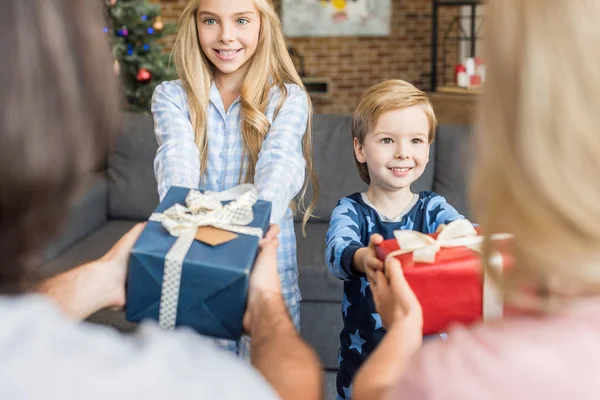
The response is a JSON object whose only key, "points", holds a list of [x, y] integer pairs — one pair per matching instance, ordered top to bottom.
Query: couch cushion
{"points": [[334, 161], [452, 165], [425, 181], [132, 186], [86, 214], [89, 248], [311, 249], [316, 282], [320, 325], [330, 386]]}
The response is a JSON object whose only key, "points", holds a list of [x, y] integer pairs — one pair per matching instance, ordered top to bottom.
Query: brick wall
{"points": [[352, 64]]}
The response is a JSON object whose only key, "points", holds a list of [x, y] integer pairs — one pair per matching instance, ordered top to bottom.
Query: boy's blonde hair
{"points": [[271, 66], [387, 96], [538, 146]]}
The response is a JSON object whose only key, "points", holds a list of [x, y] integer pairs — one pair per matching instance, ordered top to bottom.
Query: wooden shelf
{"points": [[458, 2], [459, 90], [455, 109]]}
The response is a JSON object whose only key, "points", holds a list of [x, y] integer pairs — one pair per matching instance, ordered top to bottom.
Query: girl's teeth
{"points": [[227, 53], [400, 169]]}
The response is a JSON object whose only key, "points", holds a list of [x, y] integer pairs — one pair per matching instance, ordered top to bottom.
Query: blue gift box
{"points": [[214, 280]]}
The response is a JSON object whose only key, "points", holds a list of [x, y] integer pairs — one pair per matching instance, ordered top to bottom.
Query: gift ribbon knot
{"points": [[207, 209], [424, 248]]}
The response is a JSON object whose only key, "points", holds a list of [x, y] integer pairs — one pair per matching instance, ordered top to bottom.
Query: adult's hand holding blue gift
{"points": [[264, 280]]}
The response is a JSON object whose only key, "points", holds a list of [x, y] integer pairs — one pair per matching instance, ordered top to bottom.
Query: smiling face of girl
{"points": [[228, 32]]}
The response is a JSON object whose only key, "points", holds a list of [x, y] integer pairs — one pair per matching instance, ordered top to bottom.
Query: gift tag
{"points": [[214, 236]]}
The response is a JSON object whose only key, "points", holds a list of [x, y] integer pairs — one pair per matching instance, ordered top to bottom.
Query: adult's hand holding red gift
{"points": [[395, 301], [402, 317]]}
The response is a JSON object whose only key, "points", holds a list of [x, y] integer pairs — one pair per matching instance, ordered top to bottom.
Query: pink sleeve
{"points": [[511, 358], [447, 368], [417, 382]]}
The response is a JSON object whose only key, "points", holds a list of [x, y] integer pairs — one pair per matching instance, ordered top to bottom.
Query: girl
{"points": [[239, 113], [536, 177]]}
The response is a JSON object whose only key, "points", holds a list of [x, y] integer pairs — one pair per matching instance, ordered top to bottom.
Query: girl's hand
{"points": [[395, 301]]}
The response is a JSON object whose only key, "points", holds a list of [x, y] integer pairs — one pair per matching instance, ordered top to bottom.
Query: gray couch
{"points": [[114, 199]]}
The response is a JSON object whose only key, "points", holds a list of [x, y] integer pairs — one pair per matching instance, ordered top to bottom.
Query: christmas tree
{"points": [[136, 28]]}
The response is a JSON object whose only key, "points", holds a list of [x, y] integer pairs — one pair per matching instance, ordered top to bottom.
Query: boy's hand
{"points": [[366, 257]]}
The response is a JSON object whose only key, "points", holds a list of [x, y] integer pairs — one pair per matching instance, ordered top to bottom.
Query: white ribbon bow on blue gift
{"points": [[201, 209]]}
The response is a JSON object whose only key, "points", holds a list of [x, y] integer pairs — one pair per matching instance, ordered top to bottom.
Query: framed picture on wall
{"points": [[302, 18]]}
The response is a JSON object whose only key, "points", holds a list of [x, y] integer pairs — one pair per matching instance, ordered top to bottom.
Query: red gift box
{"points": [[451, 286]]}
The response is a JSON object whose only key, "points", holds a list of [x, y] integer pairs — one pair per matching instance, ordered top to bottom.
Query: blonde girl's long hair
{"points": [[271, 66], [538, 142]]}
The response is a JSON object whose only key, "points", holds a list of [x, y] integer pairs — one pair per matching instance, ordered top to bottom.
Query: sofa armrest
{"points": [[87, 213]]}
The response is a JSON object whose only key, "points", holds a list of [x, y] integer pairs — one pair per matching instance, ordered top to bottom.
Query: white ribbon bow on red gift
{"points": [[459, 233], [424, 248]]}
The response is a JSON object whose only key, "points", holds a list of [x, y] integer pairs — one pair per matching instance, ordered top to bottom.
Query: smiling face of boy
{"points": [[396, 151]]}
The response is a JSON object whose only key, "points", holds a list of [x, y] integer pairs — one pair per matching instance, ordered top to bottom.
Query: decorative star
{"points": [[351, 213], [433, 214], [409, 222], [370, 224], [354, 228], [332, 256], [363, 285], [345, 305], [377, 319], [357, 342], [347, 392]]}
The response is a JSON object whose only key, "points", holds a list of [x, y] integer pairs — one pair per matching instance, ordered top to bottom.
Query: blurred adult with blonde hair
{"points": [[536, 176]]}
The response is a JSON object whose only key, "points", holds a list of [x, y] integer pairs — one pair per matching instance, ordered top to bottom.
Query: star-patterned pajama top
{"points": [[353, 222]]}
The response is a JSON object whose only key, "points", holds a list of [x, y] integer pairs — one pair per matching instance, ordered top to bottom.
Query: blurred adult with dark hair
{"points": [[59, 110]]}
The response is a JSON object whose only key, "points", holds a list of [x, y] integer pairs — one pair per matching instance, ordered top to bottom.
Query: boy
{"points": [[392, 129]]}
